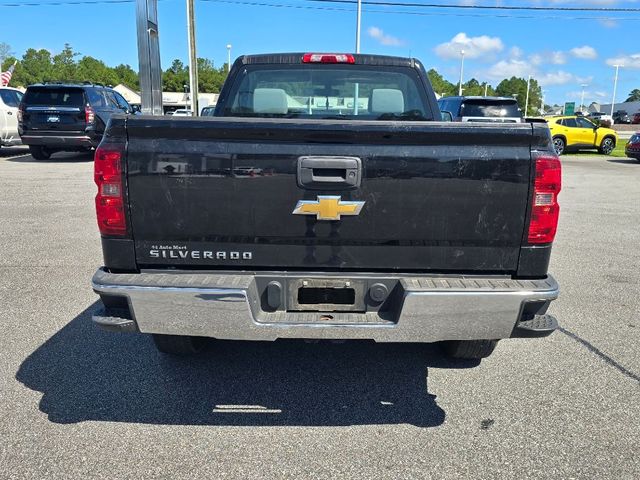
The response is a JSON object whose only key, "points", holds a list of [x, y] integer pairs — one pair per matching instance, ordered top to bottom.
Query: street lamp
{"points": [[228, 57], [461, 72], [584, 85], [615, 86], [526, 102]]}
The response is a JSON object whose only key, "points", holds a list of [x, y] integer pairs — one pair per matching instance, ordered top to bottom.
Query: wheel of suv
{"points": [[559, 145], [607, 146], [39, 153], [178, 344], [470, 349]]}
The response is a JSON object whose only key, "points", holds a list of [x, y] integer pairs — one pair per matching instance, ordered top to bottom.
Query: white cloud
{"points": [[608, 22], [383, 38], [474, 47], [515, 52], [585, 52], [558, 58], [536, 59], [631, 61], [508, 69], [559, 77]]}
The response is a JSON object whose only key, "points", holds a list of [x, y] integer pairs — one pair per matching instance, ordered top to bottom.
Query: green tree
{"points": [[36, 66], [65, 67], [89, 69], [127, 76], [440, 85], [517, 88], [634, 95]]}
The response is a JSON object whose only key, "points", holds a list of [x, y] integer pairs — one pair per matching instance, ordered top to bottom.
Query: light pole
{"points": [[358, 20], [193, 57], [228, 57], [461, 72], [584, 85], [356, 86], [486, 86], [615, 86], [186, 97], [526, 102], [541, 102]]}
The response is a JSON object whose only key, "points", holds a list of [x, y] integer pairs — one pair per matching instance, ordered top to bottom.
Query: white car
{"points": [[9, 102], [182, 112]]}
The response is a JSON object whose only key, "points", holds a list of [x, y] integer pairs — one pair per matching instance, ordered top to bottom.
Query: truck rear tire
{"points": [[39, 153], [178, 344], [470, 349]]}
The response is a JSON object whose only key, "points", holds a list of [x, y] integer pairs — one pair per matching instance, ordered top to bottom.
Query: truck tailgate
{"points": [[221, 192]]}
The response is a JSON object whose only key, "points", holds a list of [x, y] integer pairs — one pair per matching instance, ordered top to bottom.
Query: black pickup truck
{"points": [[326, 199]]}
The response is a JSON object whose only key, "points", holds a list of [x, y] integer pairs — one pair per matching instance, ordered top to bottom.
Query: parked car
{"points": [[9, 103], [482, 109], [207, 111], [182, 112], [621, 116], [55, 117], [601, 118], [636, 118], [578, 133], [632, 148], [374, 222]]}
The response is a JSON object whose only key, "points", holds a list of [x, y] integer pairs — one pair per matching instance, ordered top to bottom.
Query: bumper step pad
{"points": [[540, 326]]}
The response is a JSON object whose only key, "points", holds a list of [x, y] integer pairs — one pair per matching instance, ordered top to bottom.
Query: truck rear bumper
{"points": [[61, 140], [231, 306]]}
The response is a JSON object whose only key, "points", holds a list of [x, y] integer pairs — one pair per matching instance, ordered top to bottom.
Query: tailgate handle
{"points": [[329, 173]]}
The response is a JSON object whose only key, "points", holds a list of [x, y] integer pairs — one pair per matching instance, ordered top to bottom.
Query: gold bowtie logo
{"points": [[328, 207]]}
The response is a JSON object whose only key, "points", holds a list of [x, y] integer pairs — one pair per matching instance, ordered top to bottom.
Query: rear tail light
{"points": [[328, 58], [20, 112], [89, 114], [110, 198], [545, 208]]}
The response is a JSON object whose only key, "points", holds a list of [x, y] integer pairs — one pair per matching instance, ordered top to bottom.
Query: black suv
{"points": [[481, 109], [621, 116], [55, 117]]}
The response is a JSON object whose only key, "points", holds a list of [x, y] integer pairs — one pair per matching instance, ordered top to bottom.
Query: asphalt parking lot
{"points": [[80, 402]]}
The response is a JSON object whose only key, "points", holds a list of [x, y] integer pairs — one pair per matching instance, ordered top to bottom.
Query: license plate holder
{"points": [[326, 295]]}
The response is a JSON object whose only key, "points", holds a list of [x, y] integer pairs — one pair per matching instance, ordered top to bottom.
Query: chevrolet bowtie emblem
{"points": [[328, 207]]}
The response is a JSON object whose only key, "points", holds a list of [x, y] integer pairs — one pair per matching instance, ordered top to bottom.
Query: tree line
{"points": [[37, 66]]}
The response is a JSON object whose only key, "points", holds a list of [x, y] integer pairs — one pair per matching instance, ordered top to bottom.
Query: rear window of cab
{"points": [[328, 92], [59, 97]]}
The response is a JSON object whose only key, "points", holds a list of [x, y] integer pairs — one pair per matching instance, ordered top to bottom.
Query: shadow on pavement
{"points": [[61, 157], [622, 160], [87, 374]]}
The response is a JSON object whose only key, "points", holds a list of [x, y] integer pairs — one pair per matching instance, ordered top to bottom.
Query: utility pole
{"points": [[358, 21], [228, 57], [193, 59], [461, 72], [486, 86], [615, 86], [356, 87], [526, 102], [541, 102]]}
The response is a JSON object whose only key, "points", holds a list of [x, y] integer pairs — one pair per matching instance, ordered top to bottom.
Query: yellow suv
{"points": [[576, 133]]}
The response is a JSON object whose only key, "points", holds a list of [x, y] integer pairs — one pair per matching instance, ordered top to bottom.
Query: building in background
{"points": [[171, 101]]}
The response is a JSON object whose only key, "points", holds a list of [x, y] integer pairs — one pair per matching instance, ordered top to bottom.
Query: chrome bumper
{"points": [[228, 306]]}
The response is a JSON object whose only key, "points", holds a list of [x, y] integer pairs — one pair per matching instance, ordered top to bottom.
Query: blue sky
{"points": [[560, 49]]}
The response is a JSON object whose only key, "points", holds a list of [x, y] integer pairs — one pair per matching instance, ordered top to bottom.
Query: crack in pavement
{"points": [[595, 350]]}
